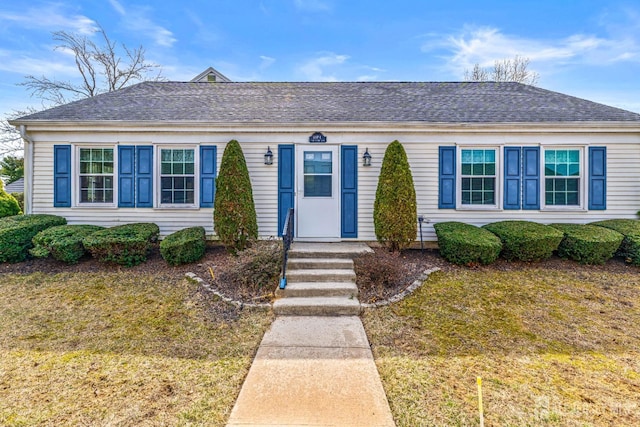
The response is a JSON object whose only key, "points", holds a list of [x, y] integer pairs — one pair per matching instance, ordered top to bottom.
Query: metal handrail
{"points": [[287, 239]]}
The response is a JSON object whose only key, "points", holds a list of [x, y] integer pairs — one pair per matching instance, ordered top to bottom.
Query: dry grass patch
{"points": [[553, 348], [119, 349]]}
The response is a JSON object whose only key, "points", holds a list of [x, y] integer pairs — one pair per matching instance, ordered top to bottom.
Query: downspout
{"points": [[28, 173]]}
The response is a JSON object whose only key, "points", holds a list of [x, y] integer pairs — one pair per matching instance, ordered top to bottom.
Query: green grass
{"points": [[553, 348], [119, 349]]}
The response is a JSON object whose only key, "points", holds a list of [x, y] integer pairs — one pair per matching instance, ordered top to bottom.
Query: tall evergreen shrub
{"points": [[8, 204], [234, 213], [395, 214]]}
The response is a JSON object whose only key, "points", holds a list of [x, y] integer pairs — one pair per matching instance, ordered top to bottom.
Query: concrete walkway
{"points": [[313, 371]]}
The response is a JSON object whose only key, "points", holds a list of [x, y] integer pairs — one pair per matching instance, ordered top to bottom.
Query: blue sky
{"points": [[585, 48]]}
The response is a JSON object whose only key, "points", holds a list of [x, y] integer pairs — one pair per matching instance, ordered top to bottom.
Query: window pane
{"points": [[85, 154], [166, 155], [178, 155], [467, 156], [166, 168], [178, 169], [189, 169], [478, 169], [490, 169], [574, 169], [561, 170], [466, 184], [572, 184], [317, 186]]}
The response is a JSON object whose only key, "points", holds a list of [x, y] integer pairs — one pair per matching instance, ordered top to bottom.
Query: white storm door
{"points": [[318, 193]]}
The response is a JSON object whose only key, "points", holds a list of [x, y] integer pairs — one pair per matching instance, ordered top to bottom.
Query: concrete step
{"points": [[328, 250], [319, 263], [321, 275], [319, 289], [317, 306]]}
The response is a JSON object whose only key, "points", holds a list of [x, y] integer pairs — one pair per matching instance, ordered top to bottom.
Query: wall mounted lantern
{"points": [[268, 157], [366, 158]]}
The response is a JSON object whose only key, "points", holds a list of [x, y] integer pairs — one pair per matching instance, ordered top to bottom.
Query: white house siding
{"points": [[421, 144]]}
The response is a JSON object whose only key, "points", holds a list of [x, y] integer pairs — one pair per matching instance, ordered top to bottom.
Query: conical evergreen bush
{"points": [[234, 213], [395, 214]]}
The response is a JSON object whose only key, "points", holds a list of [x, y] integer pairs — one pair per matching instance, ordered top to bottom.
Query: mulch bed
{"points": [[413, 263]]}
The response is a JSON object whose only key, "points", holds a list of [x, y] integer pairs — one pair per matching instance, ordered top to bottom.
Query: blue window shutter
{"points": [[512, 174], [207, 175], [62, 176], [144, 176], [126, 177], [531, 177], [447, 178], [597, 178], [286, 182], [349, 191]]}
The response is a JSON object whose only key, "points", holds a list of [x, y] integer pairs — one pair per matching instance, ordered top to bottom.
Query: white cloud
{"points": [[312, 5], [50, 18], [135, 19], [485, 45], [266, 62], [20, 64], [316, 69]]}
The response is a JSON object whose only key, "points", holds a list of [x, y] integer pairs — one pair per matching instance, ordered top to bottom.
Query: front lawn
{"points": [[557, 347], [120, 348]]}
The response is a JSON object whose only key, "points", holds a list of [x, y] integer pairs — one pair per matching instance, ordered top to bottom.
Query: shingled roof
{"points": [[342, 102]]}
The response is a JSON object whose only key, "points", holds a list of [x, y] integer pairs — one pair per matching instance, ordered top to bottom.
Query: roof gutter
{"points": [[28, 175]]}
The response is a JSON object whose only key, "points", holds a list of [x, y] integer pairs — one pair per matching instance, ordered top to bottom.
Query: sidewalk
{"points": [[313, 371]]}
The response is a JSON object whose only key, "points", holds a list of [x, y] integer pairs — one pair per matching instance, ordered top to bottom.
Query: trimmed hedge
{"points": [[20, 198], [630, 229], [16, 233], [525, 240], [63, 242], [126, 244], [466, 244], [588, 244], [184, 246]]}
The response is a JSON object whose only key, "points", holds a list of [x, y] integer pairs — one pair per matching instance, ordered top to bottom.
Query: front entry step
{"points": [[321, 275], [320, 280], [319, 289], [317, 306]]}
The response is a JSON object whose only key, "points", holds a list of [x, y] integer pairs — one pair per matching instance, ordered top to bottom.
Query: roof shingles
{"points": [[468, 102]]}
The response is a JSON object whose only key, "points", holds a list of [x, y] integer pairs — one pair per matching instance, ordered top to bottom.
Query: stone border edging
{"points": [[398, 297], [239, 304]]}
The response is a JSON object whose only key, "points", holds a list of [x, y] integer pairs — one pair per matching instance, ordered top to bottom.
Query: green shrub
{"points": [[20, 198], [8, 204], [234, 213], [395, 215], [630, 229], [16, 233], [526, 241], [63, 242], [126, 244], [466, 244], [588, 244], [184, 246], [255, 268]]}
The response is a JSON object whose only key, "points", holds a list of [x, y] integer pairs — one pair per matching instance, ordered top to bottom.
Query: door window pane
{"points": [[318, 170]]}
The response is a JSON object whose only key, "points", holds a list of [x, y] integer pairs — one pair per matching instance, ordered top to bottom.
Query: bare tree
{"points": [[102, 68], [506, 70]]}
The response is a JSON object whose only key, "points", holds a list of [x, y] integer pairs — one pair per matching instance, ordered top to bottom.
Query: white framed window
{"points": [[177, 172], [96, 176], [564, 177], [479, 178]]}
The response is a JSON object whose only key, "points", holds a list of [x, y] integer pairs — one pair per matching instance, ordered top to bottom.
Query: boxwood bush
{"points": [[630, 229], [17, 231], [525, 240], [63, 242], [126, 244], [466, 244], [588, 244], [184, 246]]}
